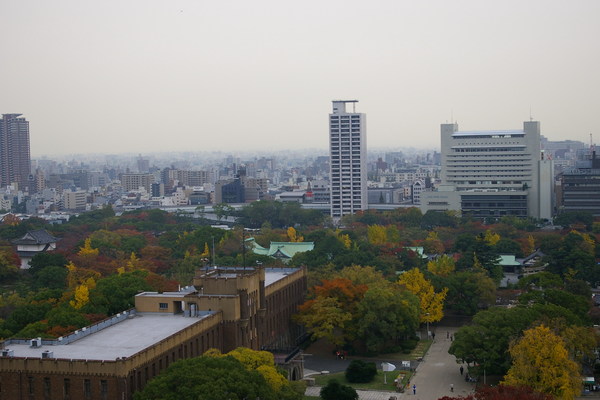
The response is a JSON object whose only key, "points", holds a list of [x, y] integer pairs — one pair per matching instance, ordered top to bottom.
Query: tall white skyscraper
{"points": [[348, 159]]}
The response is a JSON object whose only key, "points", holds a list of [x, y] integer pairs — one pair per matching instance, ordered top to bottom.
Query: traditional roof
{"points": [[41, 236], [281, 249], [532, 258], [507, 260]]}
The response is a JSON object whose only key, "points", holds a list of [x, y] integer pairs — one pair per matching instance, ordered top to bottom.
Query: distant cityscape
{"points": [[488, 174]]}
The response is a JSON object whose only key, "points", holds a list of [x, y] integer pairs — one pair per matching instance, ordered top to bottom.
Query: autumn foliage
{"points": [[502, 392]]}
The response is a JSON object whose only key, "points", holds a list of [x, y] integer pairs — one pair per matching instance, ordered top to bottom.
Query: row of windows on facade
{"points": [[344, 117], [353, 125], [512, 135], [502, 143], [488, 149], [470, 157], [480, 165], [470, 173], [498, 177], [488, 182], [497, 205], [87, 388]]}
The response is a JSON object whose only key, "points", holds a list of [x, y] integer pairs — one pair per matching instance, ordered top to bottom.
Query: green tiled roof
{"points": [[281, 249], [508, 260]]}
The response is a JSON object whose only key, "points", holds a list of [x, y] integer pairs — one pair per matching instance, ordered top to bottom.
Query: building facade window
{"points": [[67, 389], [87, 389], [104, 390]]}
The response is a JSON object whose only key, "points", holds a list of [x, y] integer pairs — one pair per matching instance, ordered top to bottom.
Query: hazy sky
{"points": [[160, 75]]}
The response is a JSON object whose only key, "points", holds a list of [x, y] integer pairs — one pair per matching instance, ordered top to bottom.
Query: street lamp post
{"points": [[427, 315]]}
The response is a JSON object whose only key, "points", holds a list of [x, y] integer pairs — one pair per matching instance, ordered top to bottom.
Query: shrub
{"points": [[361, 372], [335, 391]]}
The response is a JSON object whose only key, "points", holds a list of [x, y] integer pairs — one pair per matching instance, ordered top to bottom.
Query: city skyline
{"points": [[144, 77]]}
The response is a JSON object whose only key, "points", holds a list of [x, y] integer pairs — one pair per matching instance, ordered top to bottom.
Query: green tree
{"points": [[223, 210], [435, 219], [567, 219], [46, 259], [541, 279], [468, 291], [116, 293], [578, 305], [385, 316], [486, 340], [540, 360], [360, 371], [207, 378], [335, 391]]}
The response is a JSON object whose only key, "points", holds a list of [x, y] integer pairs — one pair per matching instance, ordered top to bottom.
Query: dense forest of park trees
{"points": [[366, 277]]}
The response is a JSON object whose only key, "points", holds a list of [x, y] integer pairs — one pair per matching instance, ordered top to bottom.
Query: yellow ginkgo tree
{"points": [[432, 303], [541, 361]]}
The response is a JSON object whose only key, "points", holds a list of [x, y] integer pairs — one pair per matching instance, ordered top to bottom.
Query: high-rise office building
{"points": [[15, 159], [348, 159], [490, 174], [580, 186]]}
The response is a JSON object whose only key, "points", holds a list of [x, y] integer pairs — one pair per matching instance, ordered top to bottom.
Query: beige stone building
{"points": [[224, 309]]}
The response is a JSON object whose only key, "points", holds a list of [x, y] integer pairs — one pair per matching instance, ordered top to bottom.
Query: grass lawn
{"points": [[375, 384]]}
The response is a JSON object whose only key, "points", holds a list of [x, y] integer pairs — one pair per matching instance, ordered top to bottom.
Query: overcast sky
{"points": [[159, 75]]}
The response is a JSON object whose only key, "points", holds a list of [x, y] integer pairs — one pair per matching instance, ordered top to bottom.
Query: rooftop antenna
{"points": [[451, 116], [530, 116]]}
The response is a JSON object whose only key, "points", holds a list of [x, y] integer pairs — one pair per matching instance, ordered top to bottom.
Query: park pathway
{"points": [[438, 370], [433, 376]]}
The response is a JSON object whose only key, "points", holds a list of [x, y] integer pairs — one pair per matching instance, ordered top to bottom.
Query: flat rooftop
{"points": [[272, 275], [123, 339]]}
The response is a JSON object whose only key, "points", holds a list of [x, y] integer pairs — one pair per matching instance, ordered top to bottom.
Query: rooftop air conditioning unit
{"points": [[35, 342], [8, 353], [48, 354]]}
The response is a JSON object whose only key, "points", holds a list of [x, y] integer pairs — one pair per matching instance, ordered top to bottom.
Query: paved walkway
{"points": [[438, 370], [433, 376]]}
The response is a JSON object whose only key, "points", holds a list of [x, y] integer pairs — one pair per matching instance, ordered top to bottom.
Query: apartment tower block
{"points": [[15, 159], [348, 159]]}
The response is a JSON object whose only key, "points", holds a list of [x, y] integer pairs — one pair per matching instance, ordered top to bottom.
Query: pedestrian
{"points": [[448, 335], [433, 336], [451, 337], [461, 369], [452, 387], [414, 389]]}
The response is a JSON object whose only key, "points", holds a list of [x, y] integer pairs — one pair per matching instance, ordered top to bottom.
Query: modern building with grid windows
{"points": [[15, 159], [348, 159], [491, 174]]}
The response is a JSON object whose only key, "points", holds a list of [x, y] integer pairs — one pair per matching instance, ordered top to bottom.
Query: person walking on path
{"points": [[461, 370], [452, 387], [415, 389]]}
